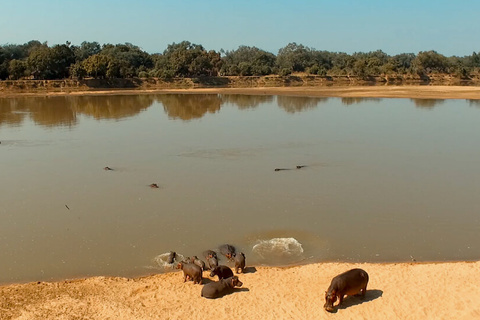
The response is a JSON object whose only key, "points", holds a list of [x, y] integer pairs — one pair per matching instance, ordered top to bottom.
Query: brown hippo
{"points": [[154, 186], [227, 250], [210, 254], [239, 259], [198, 262], [212, 263], [191, 271], [222, 272], [349, 283], [220, 288]]}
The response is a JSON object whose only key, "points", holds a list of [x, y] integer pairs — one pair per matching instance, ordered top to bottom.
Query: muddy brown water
{"points": [[384, 180]]}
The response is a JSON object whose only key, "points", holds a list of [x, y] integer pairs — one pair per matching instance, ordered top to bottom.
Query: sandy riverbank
{"points": [[408, 91], [395, 291]]}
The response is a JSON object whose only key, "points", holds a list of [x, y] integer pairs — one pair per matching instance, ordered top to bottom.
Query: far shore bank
{"points": [[353, 91], [447, 290]]}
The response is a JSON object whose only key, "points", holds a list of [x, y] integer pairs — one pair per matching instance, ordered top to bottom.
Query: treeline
{"points": [[36, 60]]}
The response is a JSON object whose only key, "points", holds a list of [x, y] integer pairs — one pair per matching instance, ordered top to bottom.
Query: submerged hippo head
{"points": [[330, 298]]}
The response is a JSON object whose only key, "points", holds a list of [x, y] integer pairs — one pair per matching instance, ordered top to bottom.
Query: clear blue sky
{"points": [[448, 27]]}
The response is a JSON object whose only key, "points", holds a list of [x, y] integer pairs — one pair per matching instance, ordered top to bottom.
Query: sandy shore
{"points": [[410, 91], [395, 291]]}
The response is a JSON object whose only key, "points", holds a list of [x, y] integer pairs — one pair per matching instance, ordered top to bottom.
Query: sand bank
{"points": [[407, 91], [395, 291]]}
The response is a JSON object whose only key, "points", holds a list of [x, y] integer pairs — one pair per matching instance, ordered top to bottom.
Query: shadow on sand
{"points": [[249, 270], [357, 299]]}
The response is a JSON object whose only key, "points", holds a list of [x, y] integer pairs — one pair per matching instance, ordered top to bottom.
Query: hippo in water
{"points": [[227, 250], [210, 254], [171, 257], [212, 263], [349, 283], [220, 288]]}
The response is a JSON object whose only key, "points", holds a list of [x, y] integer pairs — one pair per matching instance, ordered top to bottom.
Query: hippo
{"points": [[107, 169], [154, 186], [227, 250], [210, 254], [171, 257], [239, 259], [198, 262], [212, 263], [191, 271], [222, 272], [349, 283], [220, 288]]}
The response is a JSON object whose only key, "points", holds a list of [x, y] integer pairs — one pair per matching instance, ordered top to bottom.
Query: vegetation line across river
{"points": [[38, 61]]}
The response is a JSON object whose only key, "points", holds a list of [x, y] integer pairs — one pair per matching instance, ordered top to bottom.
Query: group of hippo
{"points": [[193, 268], [349, 283]]}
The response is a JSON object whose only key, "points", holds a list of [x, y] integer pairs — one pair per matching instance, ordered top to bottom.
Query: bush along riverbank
{"points": [[72, 85]]}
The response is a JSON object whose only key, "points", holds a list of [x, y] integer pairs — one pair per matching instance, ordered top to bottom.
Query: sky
{"points": [[451, 28]]}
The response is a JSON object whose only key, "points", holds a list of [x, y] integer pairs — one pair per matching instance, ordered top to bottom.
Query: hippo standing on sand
{"points": [[227, 250], [239, 259], [198, 262], [191, 271], [222, 272], [349, 283], [220, 288]]}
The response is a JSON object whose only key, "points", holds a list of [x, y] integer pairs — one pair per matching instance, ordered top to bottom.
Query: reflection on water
{"points": [[355, 100], [245, 101], [427, 103], [474, 103], [298, 104], [189, 106], [114, 107], [63, 111], [382, 181]]}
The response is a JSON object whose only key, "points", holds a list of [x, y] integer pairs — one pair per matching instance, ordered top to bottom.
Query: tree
{"points": [[86, 49], [295, 57], [62, 58], [186, 59], [127, 60], [247, 61], [430, 61], [50, 63], [342, 64], [96, 66], [17, 69], [77, 70]]}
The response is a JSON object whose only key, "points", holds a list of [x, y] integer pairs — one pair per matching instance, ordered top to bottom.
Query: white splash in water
{"points": [[278, 248], [161, 260]]}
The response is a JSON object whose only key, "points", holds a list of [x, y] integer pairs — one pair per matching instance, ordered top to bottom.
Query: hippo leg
{"points": [[364, 291], [340, 299]]}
